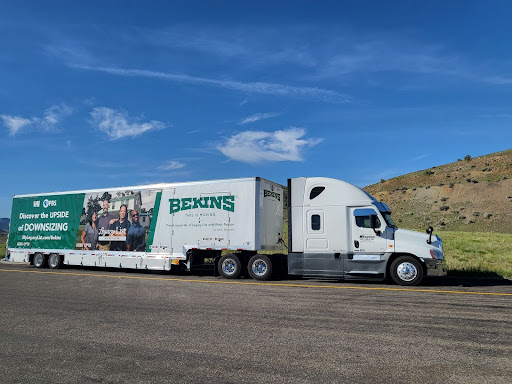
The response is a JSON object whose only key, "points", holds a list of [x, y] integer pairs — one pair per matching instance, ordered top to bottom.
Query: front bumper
{"points": [[435, 267]]}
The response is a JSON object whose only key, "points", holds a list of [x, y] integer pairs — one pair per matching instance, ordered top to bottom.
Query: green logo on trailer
{"points": [[225, 203]]}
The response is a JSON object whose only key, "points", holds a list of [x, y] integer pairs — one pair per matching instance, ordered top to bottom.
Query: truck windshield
{"points": [[386, 213], [387, 218]]}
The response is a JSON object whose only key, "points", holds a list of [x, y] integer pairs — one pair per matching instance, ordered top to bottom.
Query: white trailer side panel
{"points": [[235, 214], [270, 214]]}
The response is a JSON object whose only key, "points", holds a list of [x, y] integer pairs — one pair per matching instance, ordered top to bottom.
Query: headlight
{"points": [[436, 254]]}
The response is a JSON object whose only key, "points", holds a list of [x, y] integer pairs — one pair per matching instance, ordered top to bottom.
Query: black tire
{"points": [[39, 260], [54, 261], [229, 266], [260, 267], [406, 270]]}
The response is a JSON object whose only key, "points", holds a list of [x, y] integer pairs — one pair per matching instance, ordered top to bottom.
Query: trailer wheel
{"points": [[39, 260], [55, 261], [230, 266], [260, 267], [406, 270]]}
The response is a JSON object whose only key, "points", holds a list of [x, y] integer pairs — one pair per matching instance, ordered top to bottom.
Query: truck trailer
{"points": [[335, 230]]}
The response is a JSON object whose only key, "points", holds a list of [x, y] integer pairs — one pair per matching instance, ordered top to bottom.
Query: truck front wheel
{"points": [[39, 260], [230, 266], [260, 267], [406, 270]]}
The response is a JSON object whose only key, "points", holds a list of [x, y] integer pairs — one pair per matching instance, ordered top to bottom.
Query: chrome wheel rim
{"points": [[38, 260], [54, 261], [229, 266], [259, 267], [407, 271]]}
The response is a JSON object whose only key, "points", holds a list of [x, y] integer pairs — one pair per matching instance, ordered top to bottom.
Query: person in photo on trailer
{"points": [[104, 226], [119, 228], [90, 233], [136, 236]]}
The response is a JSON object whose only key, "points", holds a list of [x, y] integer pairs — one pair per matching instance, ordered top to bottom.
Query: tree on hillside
{"points": [[106, 196], [93, 205]]}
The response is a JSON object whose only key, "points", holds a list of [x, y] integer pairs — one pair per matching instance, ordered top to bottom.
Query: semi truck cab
{"points": [[338, 230]]}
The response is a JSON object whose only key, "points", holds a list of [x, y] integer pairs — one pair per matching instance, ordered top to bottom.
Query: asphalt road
{"points": [[103, 326]]}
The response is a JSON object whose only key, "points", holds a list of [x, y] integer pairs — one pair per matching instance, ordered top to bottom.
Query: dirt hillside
{"points": [[470, 194]]}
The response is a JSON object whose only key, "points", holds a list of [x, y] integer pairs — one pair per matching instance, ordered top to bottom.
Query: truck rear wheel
{"points": [[39, 260], [54, 261], [230, 266], [260, 267], [406, 270]]}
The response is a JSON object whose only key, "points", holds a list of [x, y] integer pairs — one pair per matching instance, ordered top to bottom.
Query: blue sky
{"points": [[103, 94]]}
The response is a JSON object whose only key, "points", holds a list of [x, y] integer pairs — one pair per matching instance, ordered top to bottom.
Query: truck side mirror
{"points": [[373, 224], [429, 232]]}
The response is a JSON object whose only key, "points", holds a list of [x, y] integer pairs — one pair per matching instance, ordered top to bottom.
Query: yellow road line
{"points": [[262, 283]]}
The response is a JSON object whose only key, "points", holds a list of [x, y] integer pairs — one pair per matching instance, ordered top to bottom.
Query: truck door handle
{"points": [[356, 243], [337, 255]]}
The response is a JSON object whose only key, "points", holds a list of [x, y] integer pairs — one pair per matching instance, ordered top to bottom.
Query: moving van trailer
{"points": [[335, 229]]}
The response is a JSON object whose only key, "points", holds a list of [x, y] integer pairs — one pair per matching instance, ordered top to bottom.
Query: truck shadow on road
{"points": [[485, 280], [490, 280]]}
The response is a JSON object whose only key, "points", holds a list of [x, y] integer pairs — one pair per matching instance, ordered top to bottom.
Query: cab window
{"points": [[315, 192], [363, 217], [364, 221], [315, 222]]}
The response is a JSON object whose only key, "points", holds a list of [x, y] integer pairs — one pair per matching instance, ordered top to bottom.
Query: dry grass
{"points": [[447, 196], [3, 239], [470, 253]]}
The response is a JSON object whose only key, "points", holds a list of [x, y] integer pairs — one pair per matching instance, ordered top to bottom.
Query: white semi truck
{"points": [[335, 229]]}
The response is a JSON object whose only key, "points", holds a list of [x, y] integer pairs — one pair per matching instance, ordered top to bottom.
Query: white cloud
{"points": [[247, 46], [69, 51], [346, 52], [349, 55], [498, 80], [251, 87], [89, 101], [243, 102], [52, 116], [496, 116], [257, 117], [15, 123], [117, 124], [258, 146], [420, 157], [171, 165]]}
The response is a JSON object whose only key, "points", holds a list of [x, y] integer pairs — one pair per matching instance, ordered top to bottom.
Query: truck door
{"points": [[368, 245], [320, 258]]}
